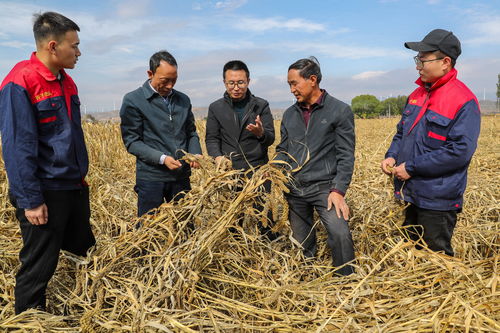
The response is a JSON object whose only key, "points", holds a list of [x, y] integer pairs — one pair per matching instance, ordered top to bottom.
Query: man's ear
{"points": [[51, 47], [447, 62], [150, 74], [314, 80]]}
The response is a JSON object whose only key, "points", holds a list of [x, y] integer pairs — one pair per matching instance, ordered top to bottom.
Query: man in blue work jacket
{"points": [[434, 143], [45, 157]]}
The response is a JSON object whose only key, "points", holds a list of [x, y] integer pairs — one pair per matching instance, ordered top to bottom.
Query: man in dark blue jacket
{"points": [[157, 125], [317, 141], [434, 143], [45, 157]]}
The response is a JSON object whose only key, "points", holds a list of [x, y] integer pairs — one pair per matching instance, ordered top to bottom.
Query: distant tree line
{"points": [[368, 106]]}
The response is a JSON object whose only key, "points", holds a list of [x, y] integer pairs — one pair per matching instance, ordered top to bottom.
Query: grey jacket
{"points": [[150, 129], [225, 135], [328, 141]]}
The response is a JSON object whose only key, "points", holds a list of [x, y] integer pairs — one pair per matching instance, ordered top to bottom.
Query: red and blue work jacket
{"points": [[436, 138], [42, 139]]}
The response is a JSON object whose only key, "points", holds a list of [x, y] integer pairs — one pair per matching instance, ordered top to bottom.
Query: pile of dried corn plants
{"points": [[201, 264]]}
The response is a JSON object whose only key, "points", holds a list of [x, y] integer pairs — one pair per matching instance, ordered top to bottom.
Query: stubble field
{"points": [[184, 272]]}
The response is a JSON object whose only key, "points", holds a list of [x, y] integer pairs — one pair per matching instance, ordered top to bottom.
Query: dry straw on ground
{"points": [[184, 271]]}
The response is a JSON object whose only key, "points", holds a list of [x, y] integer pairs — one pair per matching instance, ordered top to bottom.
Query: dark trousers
{"points": [[151, 194], [259, 206], [301, 210], [434, 227], [68, 228]]}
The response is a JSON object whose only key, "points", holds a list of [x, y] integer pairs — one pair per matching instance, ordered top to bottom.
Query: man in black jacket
{"points": [[157, 124], [240, 126], [317, 137]]}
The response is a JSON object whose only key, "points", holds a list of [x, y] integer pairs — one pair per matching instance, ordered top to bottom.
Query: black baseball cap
{"points": [[438, 39]]}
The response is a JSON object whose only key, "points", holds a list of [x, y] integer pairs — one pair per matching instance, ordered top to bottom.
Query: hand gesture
{"points": [[256, 129], [172, 163], [194, 164], [387, 165], [400, 172], [337, 200], [38, 215]]}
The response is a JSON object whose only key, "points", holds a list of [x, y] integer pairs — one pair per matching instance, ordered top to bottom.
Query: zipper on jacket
{"points": [[168, 101], [247, 114]]}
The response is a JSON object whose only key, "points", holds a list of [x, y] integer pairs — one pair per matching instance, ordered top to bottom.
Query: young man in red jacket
{"points": [[434, 143], [45, 157]]}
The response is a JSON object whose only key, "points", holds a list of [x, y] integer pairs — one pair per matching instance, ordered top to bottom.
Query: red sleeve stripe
{"points": [[47, 120], [436, 136]]}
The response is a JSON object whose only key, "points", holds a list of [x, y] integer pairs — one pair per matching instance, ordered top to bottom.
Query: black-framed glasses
{"points": [[420, 63], [232, 84]]}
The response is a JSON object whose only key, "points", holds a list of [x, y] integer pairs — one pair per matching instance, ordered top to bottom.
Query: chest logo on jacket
{"points": [[43, 95]]}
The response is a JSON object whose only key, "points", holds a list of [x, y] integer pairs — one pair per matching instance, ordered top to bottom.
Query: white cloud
{"points": [[433, 2], [229, 4], [132, 8], [17, 18], [297, 24], [487, 30], [17, 44], [336, 50], [368, 75]]}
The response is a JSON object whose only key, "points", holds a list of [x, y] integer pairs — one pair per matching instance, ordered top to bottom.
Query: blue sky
{"points": [[358, 43]]}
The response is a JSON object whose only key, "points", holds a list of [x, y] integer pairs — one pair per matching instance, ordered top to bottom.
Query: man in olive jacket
{"points": [[157, 124], [240, 126], [317, 137]]}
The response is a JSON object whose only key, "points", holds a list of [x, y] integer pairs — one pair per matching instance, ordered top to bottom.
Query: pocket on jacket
{"points": [[75, 109], [48, 116], [436, 129]]}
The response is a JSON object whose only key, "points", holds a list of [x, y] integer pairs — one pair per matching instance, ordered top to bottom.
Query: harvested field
{"points": [[183, 271]]}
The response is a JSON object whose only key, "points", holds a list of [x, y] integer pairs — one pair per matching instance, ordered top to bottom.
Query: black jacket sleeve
{"points": [[213, 135]]}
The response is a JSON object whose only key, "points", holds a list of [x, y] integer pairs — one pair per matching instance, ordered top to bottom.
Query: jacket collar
{"points": [[43, 70], [451, 75], [149, 92], [229, 100], [319, 105]]}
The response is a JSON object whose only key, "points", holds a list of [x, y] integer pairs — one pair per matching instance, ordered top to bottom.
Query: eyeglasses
{"points": [[420, 63], [232, 84]]}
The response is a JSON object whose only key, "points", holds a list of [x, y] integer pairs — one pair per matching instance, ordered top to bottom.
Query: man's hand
{"points": [[256, 129], [221, 162], [171, 163], [195, 164], [387, 165], [400, 172], [337, 200], [38, 215]]}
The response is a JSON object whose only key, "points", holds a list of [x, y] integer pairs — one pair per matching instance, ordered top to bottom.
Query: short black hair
{"points": [[51, 24], [159, 56], [235, 65], [307, 67]]}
